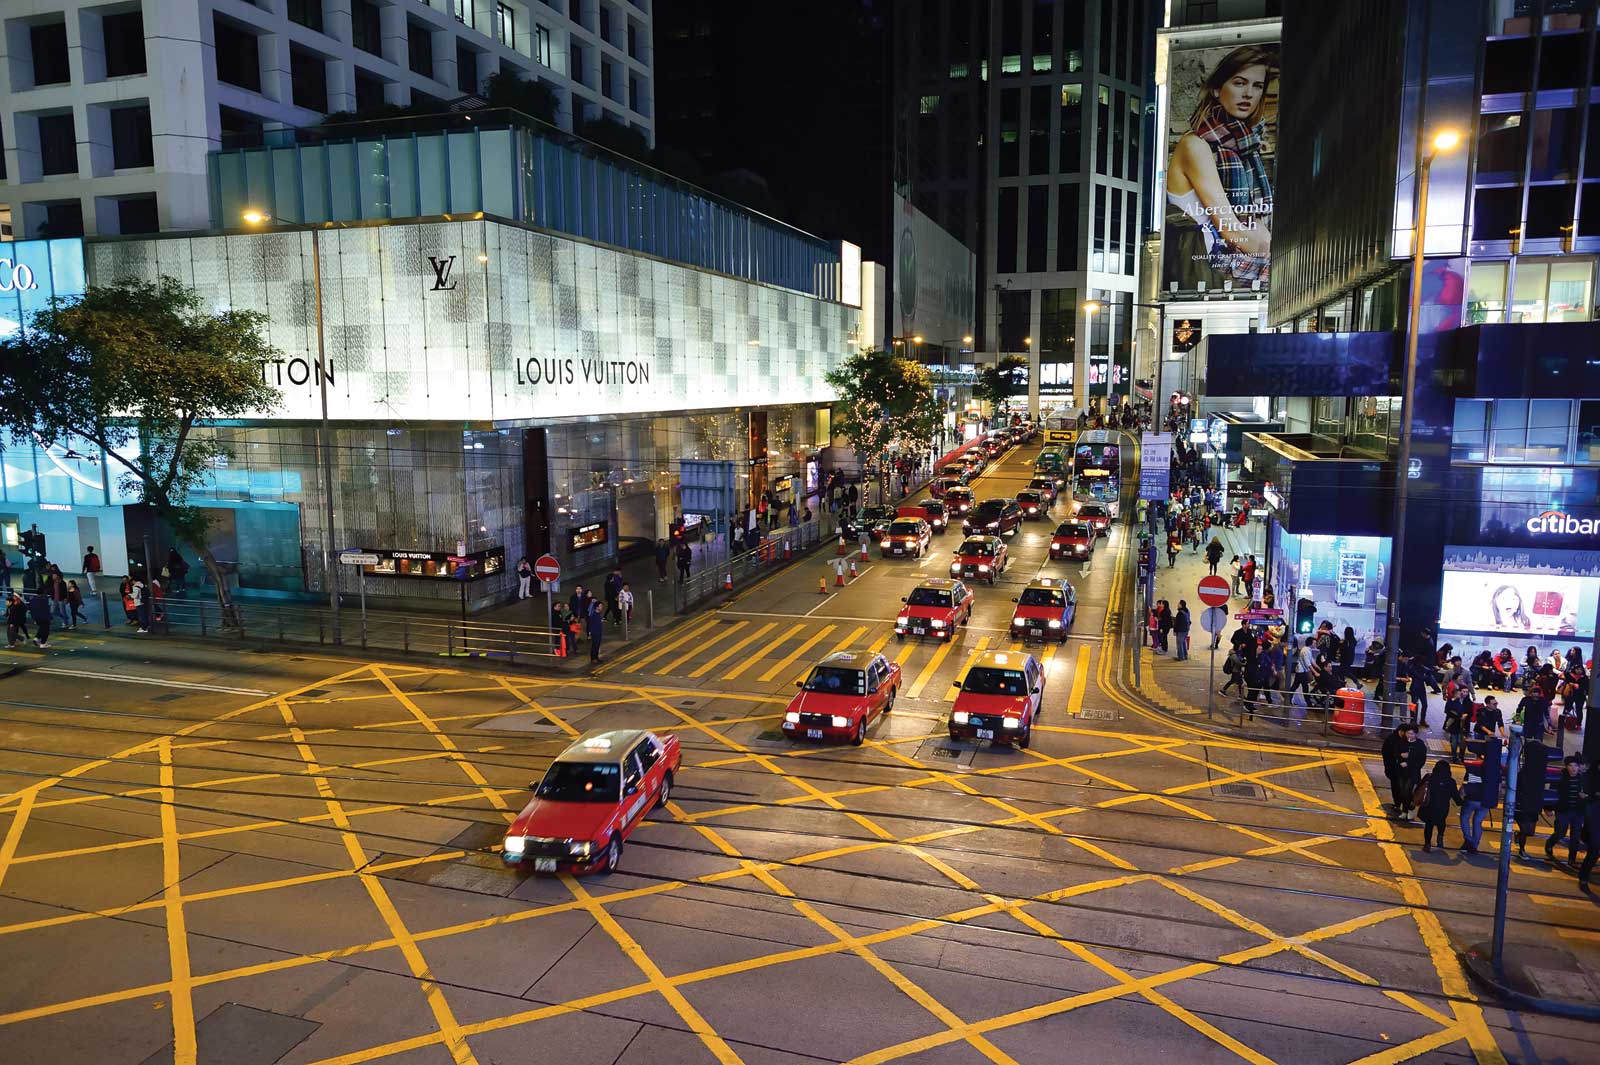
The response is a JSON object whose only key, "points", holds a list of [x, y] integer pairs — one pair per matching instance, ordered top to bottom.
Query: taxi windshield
{"points": [[962, 492], [1028, 497], [933, 507], [990, 508], [1092, 510], [903, 528], [1072, 528], [977, 547], [928, 597], [1042, 597], [984, 680], [835, 681], [581, 782]]}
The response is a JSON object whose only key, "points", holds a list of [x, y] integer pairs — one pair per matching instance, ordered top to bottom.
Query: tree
{"points": [[533, 98], [617, 136], [135, 367], [996, 385], [886, 405]]}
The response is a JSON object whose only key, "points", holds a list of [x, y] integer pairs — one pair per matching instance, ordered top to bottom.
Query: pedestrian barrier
{"points": [[1347, 712]]}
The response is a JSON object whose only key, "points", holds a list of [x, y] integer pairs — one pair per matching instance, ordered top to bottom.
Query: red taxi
{"points": [[994, 446], [973, 459], [955, 468], [942, 485], [1045, 486], [958, 500], [1034, 505], [929, 510], [1096, 516], [905, 536], [1073, 540], [983, 557], [936, 607], [1045, 610], [844, 692], [1001, 696], [591, 799]]}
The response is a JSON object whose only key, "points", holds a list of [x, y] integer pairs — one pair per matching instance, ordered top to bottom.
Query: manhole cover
{"points": [[315, 691], [167, 697], [688, 704], [1097, 714], [942, 752], [946, 752], [1240, 791], [1561, 984]]}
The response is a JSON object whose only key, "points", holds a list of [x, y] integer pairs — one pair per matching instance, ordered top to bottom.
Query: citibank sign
{"points": [[16, 277], [1557, 523]]}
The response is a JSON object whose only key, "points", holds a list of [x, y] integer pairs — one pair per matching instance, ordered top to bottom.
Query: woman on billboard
{"points": [[1219, 194]]}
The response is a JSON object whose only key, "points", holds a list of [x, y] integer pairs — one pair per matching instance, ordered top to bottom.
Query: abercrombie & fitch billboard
{"points": [[1222, 126]]}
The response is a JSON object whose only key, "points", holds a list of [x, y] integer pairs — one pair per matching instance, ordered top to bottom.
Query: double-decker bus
{"points": [[1097, 469]]}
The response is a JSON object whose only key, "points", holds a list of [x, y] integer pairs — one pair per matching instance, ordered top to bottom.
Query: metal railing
{"points": [[730, 572], [406, 633], [1330, 714]]}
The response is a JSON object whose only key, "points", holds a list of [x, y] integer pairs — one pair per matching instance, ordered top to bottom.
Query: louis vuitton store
{"points": [[495, 390]]}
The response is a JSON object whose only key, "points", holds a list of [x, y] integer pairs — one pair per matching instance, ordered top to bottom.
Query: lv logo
{"points": [[441, 273]]}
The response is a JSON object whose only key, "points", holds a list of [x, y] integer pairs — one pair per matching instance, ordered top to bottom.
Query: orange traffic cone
{"points": [[841, 543], [863, 550], [787, 553], [853, 573], [838, 574], [727, 582], [822, 586]]}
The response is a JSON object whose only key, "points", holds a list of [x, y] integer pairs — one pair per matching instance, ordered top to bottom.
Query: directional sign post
{"points": [[362, 559], [1213, 620]]}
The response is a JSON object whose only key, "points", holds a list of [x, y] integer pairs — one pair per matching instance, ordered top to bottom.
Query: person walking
{"points": [[1174, 545], [1213, 554], [663, 555], [685, 556], [91, 567], [1235, 568], [524, 578], [613, 592], [137, 594], [58, 598], [625, 601], [75, 604], [39, 611], [16, 619], [1163, 623], [597, 630], [1180, 630], [1304, 660], [1457, 707], [1398, 764], [1530, 793], [1435, 795], [1480, 797], [1569, 809], [1591, 837]]}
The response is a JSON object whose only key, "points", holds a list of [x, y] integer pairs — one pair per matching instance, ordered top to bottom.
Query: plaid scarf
{"points": [[1237, 148]]}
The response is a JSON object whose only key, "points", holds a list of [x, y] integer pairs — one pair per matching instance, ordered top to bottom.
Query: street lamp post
{"points": [[1443, 141], [330, 564]]}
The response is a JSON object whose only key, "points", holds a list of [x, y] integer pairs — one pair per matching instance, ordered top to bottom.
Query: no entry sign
{"points": [[547, 569], [1213, 591]]}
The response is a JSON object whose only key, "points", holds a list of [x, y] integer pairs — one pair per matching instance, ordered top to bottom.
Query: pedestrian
{"points": [[1174, 545], [1213, 554], [663, 555], [685, 556], [91, 567], [1235, 567], [178, 571], [1247, 575], [524, 577], [613, 593], [137, 594], [58, 598], [157, 599], [625, 601], [575, 602], [75, 604], [39, 611], [16, 619], [1163, 622], [1153, 629], [1180, 629], [597, 630], [1347, 656], [1304, 658], [1505, 663], [1233, 669], [1418, 674], [1575, 686], [1457, 707], [1534, 714], [1488, 721], [1402, 764], [1530, 793], [1479, 797], [1433, 800], [1569, 809], [1591, 837]]}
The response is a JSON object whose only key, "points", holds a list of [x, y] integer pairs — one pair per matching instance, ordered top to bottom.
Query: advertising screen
{"points": [[1222, 118], [933, 278], [1519, 604]]}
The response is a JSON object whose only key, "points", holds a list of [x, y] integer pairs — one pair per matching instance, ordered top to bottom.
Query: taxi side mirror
{"points": [[902, 599], [1013, 599], [799, 684], [955, 684], [633, 789]]}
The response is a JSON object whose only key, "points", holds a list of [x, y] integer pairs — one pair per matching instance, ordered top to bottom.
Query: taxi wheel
{"points": [[900, 636], [888, 707], [860, 735], [1026, 737], [666, 792], [613, 854]]}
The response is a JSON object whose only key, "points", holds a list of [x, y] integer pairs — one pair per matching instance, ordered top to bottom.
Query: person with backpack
{"points": [[1213, 554], [91, 567], [1180, 630], [1480, 797], [1432, 800], [1569, 809]]}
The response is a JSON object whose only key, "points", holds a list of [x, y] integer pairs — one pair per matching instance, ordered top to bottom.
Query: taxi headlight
{"points": [[994, 525], [883, 543], [983, 568], [955, 569], [936, 623], [1018, 623], [1055, 623], [793, 717], [958, 718], [840, 721], [1010, 722], [516, 844], [580, 848]]}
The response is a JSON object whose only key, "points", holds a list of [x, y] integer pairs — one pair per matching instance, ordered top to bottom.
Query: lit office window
{"points": [[506, 21], [541, 45], [1552, 291], [1486, 293]]}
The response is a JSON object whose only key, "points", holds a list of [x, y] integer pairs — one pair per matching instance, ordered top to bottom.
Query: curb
{"points": [[1476, 960]]}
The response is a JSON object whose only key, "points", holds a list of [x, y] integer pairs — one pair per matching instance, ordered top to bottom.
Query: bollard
{"points": [[853, 573], [822, 585], [650, 604], [105, 614], [202, 615]]}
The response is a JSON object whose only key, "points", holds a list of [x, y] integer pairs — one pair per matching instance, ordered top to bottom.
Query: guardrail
{"points": [[780, 547], [408, 634], [1329, 714]]}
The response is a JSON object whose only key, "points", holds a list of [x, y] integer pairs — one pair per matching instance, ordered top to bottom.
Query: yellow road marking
{"points": [[694, 631], [845, 644], [879, 644], [732, 649], [905, 654], [788, 660], [672, 664], [932, 666], [737, 671], [1080, 681], [950, 692], [531, 704], [468, 770], [19, 819], [185, 1044]]}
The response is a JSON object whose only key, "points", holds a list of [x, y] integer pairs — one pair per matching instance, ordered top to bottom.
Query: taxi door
{"points": [[645, 785]]}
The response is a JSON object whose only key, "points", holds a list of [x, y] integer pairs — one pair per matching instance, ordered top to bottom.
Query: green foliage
{"points": [[533, 98], [617, 136], [134, 367], [996, 385], [886, 405]]}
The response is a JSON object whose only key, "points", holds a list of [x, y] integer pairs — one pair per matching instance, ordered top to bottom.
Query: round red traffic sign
{"points": [[547, 568], [1213, 591]]}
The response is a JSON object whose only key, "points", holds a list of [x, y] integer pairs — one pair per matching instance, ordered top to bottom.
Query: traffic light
{"points": [[32, 543], [1305, 616]]}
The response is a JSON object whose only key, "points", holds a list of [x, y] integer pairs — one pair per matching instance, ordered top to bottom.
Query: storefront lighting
{"points": [[255, 218], [483, 258]]}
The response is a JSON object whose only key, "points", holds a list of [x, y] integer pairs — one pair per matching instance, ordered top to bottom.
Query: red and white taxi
{"points": [[958, 500], [929, 510], [1096, 515], [905, 537], [1073, 540], [983, 557], [936, 607], [1045, 610], [843, 694], [1001, 696], [591, 799]]}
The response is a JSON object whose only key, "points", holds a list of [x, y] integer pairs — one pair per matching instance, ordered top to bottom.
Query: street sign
{"points": [[1060, 436], [1155, 465], [358, 558], [547, 568], [1213, 591], [1264, 614], [1214, 619]]}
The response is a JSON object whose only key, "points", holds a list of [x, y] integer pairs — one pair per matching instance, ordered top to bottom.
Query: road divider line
{"points": [[694, 630], [844, 644], [879, 644], [733, 649], [788, 660], [672, 664], [932, 667], [738, 671], [125, 678], [1080, 681], [950, 692]]}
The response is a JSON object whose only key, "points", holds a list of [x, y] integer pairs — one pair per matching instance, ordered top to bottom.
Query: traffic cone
{"points": [[841, 543], [863, 550], [787, 554], [853, 573], [838, 574], [727, 582], [822, 586]]}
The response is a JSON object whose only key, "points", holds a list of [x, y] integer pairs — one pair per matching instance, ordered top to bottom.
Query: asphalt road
{"points": [[239, 858]]}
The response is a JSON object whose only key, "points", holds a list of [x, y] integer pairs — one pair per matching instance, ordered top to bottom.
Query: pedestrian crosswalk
{"points": [[738, 652]]}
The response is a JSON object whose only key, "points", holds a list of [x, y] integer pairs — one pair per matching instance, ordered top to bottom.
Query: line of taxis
{"points": [[597, 791]]}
